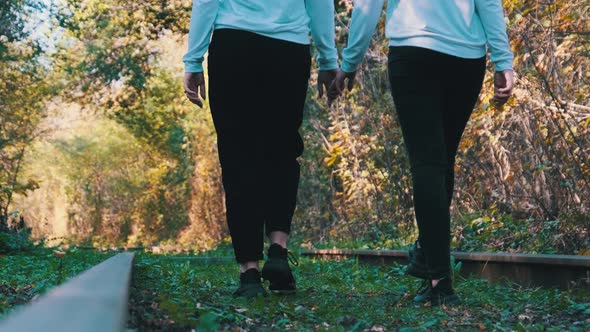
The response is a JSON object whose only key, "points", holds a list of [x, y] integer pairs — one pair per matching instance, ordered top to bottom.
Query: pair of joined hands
{"points": [[333, 82]]}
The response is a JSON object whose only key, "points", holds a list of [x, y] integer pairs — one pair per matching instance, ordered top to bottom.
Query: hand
{"points": [[325, 79], [194, 83], [503, 84], [338, 85]]}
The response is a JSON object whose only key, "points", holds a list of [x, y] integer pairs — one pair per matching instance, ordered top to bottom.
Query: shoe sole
{"points": [[282, 291], [251, 294], [451, 301]]}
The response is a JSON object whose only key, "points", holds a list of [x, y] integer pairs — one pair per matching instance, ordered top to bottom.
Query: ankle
{"points": [[280, 238], [249, 265], [435, 282], [444, 283]]}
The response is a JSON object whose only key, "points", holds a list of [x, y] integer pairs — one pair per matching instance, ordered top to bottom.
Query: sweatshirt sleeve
{"points": [[321, 14], [491, 14], [365, 16], [203, 17]]}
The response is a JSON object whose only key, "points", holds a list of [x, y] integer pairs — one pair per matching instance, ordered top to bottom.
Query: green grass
{"points": [[25, 275], [173, 295]]}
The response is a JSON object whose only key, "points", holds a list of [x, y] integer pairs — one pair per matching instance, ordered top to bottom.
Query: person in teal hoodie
{"points": [[437, 61], [258, 68]]}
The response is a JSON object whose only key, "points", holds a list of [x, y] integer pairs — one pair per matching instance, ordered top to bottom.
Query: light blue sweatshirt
{"points": [[290, 20], [462, 28]]}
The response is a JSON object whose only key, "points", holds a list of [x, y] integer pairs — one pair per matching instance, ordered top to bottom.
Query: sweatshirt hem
{"points": [[298, 38], [443, 46]]}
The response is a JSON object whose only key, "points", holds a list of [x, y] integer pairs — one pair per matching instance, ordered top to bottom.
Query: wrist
{"points": [[503, 65], [193, 67]]}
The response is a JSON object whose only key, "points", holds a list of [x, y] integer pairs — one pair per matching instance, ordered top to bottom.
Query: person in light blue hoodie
{"points": [[437, 61], [259, 67]]}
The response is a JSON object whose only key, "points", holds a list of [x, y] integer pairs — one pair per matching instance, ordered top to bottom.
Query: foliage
{"points": [[13, 18], [113, 42], [124, 64], [24, 90], [18, 126], [534, 153], [355, 159], [527, 162], [524, 166], [104, 186], [484, 232], [15, 237], [335, 296]]}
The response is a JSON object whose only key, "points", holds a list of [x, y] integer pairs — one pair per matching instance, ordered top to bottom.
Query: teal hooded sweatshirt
{"points": [[289, 20], [462, 28]]}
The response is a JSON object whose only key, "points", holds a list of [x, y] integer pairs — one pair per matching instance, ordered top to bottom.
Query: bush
{"points": [[16, 238]]}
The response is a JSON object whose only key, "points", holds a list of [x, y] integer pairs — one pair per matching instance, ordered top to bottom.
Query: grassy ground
{"points": [[25, 275], [172, 295]]}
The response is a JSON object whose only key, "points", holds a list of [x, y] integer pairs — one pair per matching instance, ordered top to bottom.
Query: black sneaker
{"points": [[417, 266], [277, 271], [250, 285], [443, 293]]}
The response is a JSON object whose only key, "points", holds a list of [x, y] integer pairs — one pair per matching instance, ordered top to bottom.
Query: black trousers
{"points": [[257, 91], [434, 96]]}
